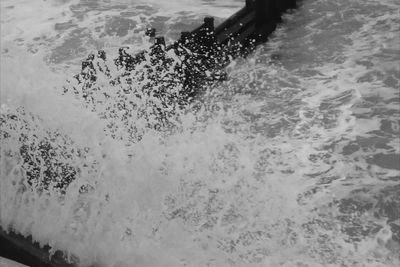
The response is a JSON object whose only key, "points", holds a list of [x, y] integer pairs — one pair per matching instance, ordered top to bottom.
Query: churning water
{"points": [[293, 161]]}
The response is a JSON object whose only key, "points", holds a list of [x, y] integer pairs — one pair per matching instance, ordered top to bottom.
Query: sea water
{"points": [[293, 161]]}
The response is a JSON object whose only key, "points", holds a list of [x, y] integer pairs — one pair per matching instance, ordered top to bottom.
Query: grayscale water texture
{"points": [[293, 161]]}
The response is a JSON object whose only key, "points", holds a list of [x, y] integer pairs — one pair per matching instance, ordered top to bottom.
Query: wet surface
{"points": [[294, 161]]}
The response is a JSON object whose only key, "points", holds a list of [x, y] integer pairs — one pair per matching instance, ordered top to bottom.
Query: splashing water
{"points": [[294, 161]]}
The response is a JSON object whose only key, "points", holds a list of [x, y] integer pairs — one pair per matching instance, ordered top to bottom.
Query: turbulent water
{"points": [[293, 161]]}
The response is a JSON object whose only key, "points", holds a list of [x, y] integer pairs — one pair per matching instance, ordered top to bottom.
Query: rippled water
{"points": [[293, 161]]}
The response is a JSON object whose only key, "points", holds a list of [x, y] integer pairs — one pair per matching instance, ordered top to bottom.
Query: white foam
{"points": [[231, 186]]}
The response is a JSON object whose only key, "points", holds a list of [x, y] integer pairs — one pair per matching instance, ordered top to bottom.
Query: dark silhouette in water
{"points": [[24, 250]]}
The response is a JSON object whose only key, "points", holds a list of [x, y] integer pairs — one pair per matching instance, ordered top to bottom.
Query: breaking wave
{"points": [[293, 161]]}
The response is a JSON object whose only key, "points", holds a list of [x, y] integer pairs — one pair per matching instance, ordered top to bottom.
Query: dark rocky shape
{"points": [[23, 250]]}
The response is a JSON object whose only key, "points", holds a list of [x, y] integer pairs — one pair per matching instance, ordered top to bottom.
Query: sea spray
{"points": [[290, 163]]}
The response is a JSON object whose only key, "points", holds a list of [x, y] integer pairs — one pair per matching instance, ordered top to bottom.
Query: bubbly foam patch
{"points": [[291, 162]]}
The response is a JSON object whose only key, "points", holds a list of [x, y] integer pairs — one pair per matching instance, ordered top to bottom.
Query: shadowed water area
{"points": [[294, 160]]}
